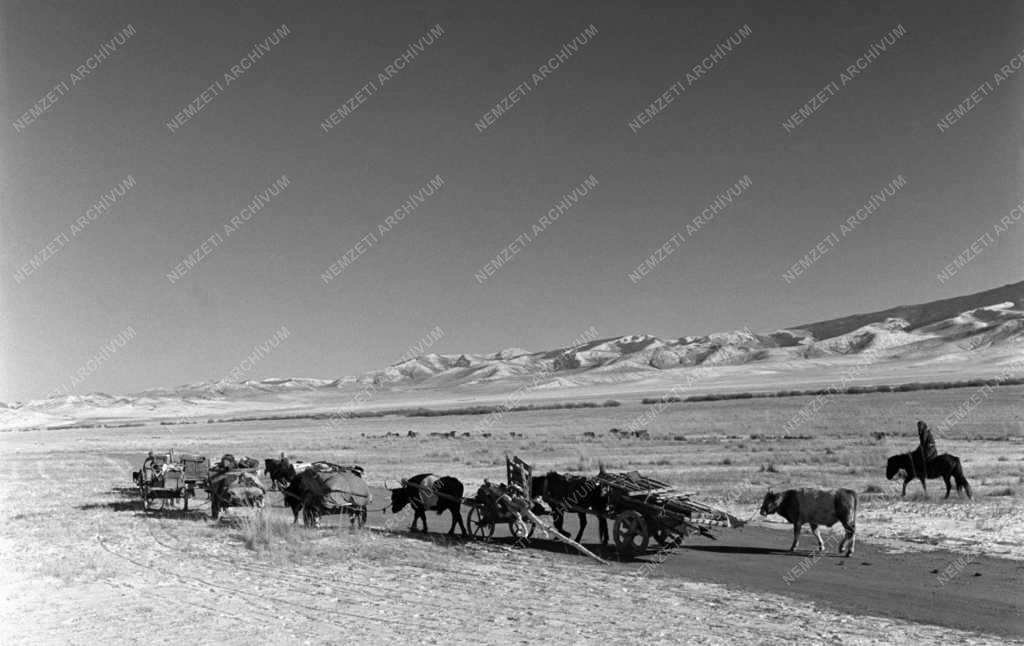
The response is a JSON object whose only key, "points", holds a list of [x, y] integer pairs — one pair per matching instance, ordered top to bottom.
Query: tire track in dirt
{"points": [[322, 586], [392, 594], [300, 608], [256, 609], [246, 614]]}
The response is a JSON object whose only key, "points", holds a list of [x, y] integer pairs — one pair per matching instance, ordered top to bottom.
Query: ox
{"points": [[282, 471], [326, 488], [234, 489], [428, 491], [566, 493], [816, 507]]}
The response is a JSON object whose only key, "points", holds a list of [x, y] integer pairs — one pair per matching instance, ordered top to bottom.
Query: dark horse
{"points": [[942, 466], [427, 491], [566, 493]]}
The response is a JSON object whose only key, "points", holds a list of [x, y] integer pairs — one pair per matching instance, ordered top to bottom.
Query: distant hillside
{"points": [[918, 316], [965, 336]]}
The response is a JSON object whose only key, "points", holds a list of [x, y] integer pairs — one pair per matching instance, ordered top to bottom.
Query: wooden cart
{"points": [[166, 478], [230, 484], [328, 488], [488, 507], [645, 508]]}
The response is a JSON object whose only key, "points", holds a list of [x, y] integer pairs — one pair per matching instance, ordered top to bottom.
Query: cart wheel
{"points": [[477, 527], [522, 529], [630, 531]]}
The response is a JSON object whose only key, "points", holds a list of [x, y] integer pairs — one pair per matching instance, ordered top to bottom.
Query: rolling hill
{"points": [[969, 336]]}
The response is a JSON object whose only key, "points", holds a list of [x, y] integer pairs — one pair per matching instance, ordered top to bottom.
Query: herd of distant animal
{"points": [[814, 507]]}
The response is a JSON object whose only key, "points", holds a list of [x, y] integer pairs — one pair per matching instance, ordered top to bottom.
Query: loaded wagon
{"points": [[165, 478], [234, 483], [327, 488], [494, 503], [643, 508]]}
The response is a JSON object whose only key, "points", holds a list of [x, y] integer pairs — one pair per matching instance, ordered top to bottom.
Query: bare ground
{"points": [[84, 563]]}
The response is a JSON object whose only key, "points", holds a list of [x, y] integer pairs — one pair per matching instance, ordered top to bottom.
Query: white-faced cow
{"points": [[815, 507]]}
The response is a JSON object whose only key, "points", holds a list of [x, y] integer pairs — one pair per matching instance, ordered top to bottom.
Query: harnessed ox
{"points": [[942, 466], [281, 471], [234, 489], [328, 490], [428, 491], [567, 493], [815, 507]]}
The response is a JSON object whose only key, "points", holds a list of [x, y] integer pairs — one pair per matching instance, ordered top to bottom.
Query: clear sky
{"points": [[109, 123]]}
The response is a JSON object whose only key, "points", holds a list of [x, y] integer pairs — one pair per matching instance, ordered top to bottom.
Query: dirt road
{"points": [[930, 587], [984, 594]]}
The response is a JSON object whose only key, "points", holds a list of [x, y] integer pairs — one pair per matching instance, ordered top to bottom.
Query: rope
{"points": [[752, 518]]}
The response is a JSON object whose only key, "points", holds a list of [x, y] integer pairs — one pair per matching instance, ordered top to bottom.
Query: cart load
{"points": [[164, 478], [232, 485], [328, 489], [499, 503], [645, 508]]}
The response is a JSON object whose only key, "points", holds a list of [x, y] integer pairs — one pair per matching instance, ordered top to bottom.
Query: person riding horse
{"points": [[926, 449]]}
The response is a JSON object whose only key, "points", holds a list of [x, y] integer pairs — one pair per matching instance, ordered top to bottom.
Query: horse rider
{"points": [[924, 433], [926, 447]]}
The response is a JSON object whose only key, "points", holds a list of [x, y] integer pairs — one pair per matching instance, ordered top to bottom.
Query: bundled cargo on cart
{"points": [[165, 478], [234, 482], [326, 489], [503, 503], [645, 508]]}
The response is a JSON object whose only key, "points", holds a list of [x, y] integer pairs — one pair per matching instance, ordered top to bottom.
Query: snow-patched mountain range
{"points": [[987, 325]]}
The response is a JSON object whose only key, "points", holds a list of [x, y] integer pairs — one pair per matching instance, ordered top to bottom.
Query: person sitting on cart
{"points": [[514, 501]]}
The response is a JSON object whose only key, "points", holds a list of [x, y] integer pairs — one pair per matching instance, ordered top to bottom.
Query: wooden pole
{"points": [[565, 539]]}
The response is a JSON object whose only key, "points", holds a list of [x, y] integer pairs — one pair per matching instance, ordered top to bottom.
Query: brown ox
{"points": [[815, 507]]}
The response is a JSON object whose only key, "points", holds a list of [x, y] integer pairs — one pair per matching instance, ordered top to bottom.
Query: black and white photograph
{"points": [[490, 323]]}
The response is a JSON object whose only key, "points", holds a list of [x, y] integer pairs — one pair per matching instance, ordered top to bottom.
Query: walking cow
{"points": [[428, 491], [815, 507]]}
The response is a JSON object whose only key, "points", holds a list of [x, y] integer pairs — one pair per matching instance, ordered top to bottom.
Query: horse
{"points": [[941, 466], [428, 491], [564, 493]]}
